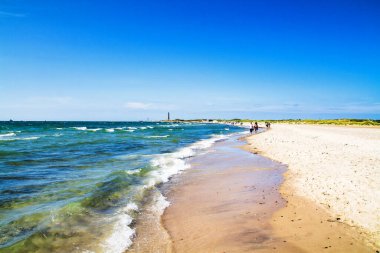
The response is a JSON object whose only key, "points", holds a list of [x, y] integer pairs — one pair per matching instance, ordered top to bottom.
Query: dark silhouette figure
{"points": [[256, 127]]}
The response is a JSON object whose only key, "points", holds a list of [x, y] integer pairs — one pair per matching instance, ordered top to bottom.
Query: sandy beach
{"points": [[333, 179], [232, 200], [224, 203]]}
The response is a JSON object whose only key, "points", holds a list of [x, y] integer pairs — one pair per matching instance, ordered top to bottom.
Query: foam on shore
{"points": [[166, 165]]}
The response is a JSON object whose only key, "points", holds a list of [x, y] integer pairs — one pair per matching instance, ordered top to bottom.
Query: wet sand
{"points": [[225, 202], [151, 236]]}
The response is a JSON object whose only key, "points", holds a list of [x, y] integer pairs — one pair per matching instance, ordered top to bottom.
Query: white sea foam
{"points": [[171, 125], [150, 127], [59, 128], [80, 128], [119, 128], [132, 128], [143, 128], [93, 129], [226, 129], [110, 130], [129, 130], [7, 135], [158, 136], [20, 138], [29, 138], [173, 163], [167, 165], [131, 172], [160, 204], [131, 207], [121, 236]]}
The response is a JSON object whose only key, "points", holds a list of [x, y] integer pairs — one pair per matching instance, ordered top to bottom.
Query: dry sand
{"points": [[333, 184]]}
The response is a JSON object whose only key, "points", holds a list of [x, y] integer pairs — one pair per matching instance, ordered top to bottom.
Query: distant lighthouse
{"points": [[168, 116]]}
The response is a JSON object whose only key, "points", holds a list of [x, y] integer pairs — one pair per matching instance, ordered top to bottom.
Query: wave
{"points": [[170, 125], [80, 128], [132, 128], [143, 128], [93, 129], [110, 130], [129, 130], [7, 135], [158, 136], [21, 138], [29, 138], [131, 157], [173, 163], [166, 166], [131, 172], [122, 234]]}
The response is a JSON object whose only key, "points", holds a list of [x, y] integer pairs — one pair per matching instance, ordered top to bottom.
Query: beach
{"points": [[333, 178], [181, 187], [245, 196], [224, 202]]}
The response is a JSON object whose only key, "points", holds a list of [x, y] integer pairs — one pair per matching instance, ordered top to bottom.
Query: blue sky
{"points": [[133, 60]]}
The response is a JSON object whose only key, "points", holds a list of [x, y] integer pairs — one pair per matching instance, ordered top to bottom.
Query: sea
{"points": [[79, 186]]}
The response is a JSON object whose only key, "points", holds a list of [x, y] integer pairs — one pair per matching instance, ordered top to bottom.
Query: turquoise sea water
{"points": [[77, 186]]}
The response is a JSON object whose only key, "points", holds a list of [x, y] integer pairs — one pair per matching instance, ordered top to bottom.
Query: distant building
{"points": [[168, 116]]}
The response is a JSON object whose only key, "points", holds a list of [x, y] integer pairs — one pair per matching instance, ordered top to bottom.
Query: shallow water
{"points": [[77, 186]]}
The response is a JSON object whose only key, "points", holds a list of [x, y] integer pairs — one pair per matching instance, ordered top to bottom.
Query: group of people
{"points": [[255, 127]]}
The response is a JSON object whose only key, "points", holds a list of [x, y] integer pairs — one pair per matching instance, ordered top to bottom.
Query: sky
{"points": [[138, 59]]}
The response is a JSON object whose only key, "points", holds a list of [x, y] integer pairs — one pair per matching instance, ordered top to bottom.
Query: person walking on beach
{"points": [[256, 127], [251, 128]]}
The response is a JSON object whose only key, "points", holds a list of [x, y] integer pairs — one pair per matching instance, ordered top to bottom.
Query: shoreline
{"points": [[282, 145], [198, 199], [225, 202]]}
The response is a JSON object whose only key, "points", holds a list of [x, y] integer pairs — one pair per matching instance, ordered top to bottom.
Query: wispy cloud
{"points": [[6, 14]]}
